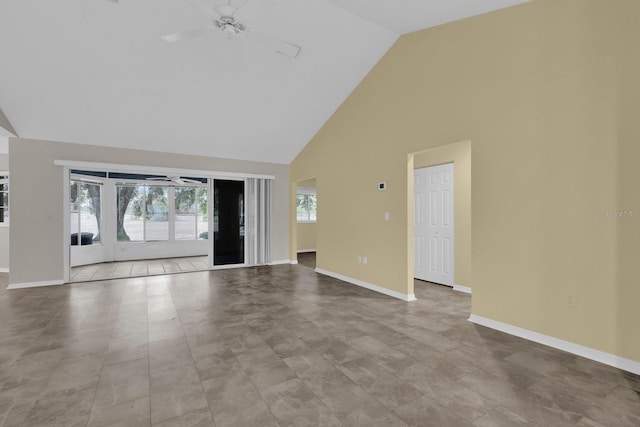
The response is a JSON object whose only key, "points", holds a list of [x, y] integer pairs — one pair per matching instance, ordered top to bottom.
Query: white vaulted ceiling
{"points": [[96, 72]]}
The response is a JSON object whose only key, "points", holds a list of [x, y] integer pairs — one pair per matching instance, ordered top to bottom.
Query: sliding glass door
{"points": [[228, 222]]}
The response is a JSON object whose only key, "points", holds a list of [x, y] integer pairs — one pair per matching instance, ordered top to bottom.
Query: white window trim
{"points": [[157, 170]]}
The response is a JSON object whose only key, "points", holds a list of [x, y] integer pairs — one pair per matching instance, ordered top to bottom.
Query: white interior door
{"points": [[433, 224]]}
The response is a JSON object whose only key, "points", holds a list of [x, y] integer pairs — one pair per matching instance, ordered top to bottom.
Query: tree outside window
{"points": [[306, 207], [143, 213], [86, 218]]}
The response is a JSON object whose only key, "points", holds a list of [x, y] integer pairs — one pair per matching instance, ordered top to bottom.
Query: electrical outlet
{"points": [[359, 259], [364, 260], [571, 301]]}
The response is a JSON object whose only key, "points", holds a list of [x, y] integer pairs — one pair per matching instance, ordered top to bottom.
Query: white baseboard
{"points": [[304, 251], [283, 261], [4, 270], [35, 284], [370, 286], [459, 288], [577, 349]]}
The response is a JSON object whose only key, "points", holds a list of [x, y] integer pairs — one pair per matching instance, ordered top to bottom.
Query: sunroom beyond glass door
{"points": [[228, 222]]}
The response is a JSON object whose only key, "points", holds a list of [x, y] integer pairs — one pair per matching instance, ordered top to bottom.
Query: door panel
{"points": [[228, 222], [433, 224]]}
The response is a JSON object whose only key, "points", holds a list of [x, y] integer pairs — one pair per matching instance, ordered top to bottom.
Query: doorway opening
{"points": [[439, 202], [158, 220], [228, 222], [306, 222], [131, 224], [433, 229]]}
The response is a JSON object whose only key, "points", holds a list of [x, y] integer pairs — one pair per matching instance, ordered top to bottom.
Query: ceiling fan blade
{"points": [[205, 8], [225, 10], [185, 35], [274, 44]]}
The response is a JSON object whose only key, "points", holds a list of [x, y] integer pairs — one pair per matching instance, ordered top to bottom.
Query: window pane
{"points": [[202, 201], [130, 202], [89, 207], [306, 207], [312, 207], [73, 208], [301, 211], [157, 213], [185, 226]]}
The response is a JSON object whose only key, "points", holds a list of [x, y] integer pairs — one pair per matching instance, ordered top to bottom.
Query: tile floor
{"points": [[307, 259], [150, 267], [282, 346]]}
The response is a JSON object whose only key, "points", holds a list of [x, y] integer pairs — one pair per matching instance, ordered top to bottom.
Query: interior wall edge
{"points": [[367, 285], [570, 347]]}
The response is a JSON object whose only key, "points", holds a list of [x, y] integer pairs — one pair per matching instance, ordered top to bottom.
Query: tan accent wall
{"points": [[547, 93], [36, 235], [307, 236]]}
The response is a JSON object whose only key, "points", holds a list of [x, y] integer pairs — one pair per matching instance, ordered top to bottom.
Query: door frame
{"points": [[458, 153], [68, 165], [453, 225], [211, 246]]}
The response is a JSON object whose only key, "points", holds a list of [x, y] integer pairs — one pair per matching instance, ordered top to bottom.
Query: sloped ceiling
{"points": [[96, 72]]}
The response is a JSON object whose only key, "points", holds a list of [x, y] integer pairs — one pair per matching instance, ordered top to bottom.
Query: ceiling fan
{"points": [[225, 20], [175, 179]]}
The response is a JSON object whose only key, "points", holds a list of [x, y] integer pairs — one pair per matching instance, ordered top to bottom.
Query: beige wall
{"points": [[546, 91], [460, 155], [628, 192], [37, 199], [307, 236]]}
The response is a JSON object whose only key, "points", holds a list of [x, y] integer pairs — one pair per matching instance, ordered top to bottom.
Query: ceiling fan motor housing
{"points": [[229, 30]]}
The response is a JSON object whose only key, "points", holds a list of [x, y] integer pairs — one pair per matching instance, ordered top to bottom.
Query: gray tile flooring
{"points": [[307, 259], [149, 267], [282, 346]]}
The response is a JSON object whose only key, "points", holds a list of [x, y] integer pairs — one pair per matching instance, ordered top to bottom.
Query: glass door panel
{"points": [[228, 222]]}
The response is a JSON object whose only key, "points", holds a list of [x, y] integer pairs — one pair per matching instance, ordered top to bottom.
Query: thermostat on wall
{"points": [[382, 186]]}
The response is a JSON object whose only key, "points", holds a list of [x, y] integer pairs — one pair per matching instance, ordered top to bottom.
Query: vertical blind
{"points": [[259, 220]]}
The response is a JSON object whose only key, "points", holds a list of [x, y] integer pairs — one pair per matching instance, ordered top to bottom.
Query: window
{"points": [[4, 199], [306, 205], [85, 212], [144, 213], [157, 214], [191, 216], [130, 221]]}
